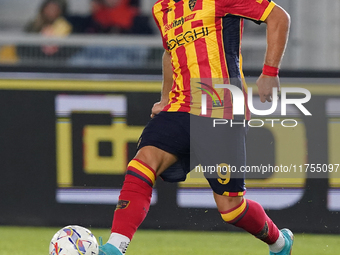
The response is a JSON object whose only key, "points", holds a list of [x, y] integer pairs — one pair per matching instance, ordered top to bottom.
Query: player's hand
{"points": [[265, 86], [157, 108]]}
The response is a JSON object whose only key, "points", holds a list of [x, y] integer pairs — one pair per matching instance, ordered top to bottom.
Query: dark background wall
{"points": [[29, 141]]}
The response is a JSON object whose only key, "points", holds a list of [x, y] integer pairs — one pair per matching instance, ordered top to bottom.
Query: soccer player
{"points": [[202, 41]]}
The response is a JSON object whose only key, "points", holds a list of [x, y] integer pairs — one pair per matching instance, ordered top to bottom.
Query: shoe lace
{"points": [[100, 241]]}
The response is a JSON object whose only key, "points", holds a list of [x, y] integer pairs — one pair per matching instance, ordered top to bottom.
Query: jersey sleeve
{"points": [[257, 10], [160, 30]]}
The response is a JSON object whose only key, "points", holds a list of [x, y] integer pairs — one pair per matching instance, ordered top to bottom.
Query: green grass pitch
{"points": [[35, 241]]}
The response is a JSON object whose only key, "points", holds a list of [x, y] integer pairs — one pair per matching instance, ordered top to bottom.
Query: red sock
{"points": [[134, 199], [250, 216]]}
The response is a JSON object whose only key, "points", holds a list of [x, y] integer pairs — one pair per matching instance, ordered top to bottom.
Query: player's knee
{"points": [[148, 156], [157, 159], [225, 203], [229, 207], [233, 214]]}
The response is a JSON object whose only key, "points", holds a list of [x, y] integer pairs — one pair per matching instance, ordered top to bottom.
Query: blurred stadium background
{"points": [[72, 108]]}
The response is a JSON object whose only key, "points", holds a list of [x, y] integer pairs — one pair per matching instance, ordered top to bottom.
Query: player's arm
{"points": [[278, 23], [167, 85]]}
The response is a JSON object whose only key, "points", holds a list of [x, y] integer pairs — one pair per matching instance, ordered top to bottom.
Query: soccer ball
{"points": [[73, 240]]}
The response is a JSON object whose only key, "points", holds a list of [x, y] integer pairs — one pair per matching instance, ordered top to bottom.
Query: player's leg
{"points": [[160, 141], [140, 177], [228, 185], [135, 196], [250, 216]]}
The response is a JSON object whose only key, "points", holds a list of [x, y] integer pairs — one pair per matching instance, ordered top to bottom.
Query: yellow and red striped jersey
{"points": [[203, 38]]}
